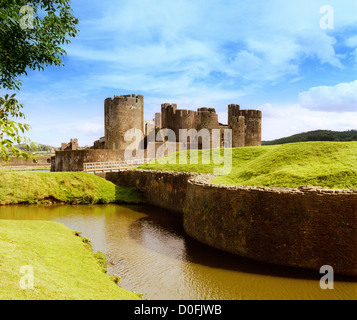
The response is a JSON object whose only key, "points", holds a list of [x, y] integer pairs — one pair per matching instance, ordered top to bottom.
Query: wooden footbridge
{"points": [[112, 166]]}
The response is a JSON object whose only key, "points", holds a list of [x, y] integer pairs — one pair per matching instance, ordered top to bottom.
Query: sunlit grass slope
{"points": [[325, 164], [66, 187], [62, 264]]}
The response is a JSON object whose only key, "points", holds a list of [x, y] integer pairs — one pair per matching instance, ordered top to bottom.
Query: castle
{"points": [[122, 113]]}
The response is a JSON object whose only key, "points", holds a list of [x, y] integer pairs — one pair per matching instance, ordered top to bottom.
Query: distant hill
{"points": [[318, 135], [42, 147]]}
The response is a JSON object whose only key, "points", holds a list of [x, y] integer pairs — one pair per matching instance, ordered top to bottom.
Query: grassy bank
{"points": [[325, 164], [64, 187], [63, 265]]}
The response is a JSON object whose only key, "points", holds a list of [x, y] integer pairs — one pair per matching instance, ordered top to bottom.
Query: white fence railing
{"points": [[112, 166]]}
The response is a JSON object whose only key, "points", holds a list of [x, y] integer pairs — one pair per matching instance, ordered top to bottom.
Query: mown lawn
{"points": [[325, 164]]}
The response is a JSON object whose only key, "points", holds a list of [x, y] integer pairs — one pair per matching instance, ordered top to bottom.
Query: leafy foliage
{"points": [[32, 34], [36, 45], [10, 129]]}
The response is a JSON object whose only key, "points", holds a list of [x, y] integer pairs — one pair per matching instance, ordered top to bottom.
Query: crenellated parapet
{"points": [[176, 119]]}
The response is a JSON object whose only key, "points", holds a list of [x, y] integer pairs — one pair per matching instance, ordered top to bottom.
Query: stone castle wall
{"points": [[122, 113], [246, 125], [253, 127], [73, 160], [41, 161], [160, 188], [307, 227]]}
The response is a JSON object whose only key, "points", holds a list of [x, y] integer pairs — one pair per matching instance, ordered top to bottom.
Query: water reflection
{"points": [[146, 246]]}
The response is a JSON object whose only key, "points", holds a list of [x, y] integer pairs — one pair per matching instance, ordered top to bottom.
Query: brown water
{"points": [[147, 247]]}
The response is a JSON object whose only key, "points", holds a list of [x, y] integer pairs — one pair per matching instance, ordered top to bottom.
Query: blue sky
{"points": [[272, 55]]}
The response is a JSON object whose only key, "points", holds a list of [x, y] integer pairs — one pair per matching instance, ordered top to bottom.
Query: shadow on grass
{"points": [[128, 195]]}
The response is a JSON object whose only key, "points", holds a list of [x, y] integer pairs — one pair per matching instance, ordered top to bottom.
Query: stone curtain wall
{"points": [[73, 160], [41, 161], [160, 188], [307, 227]]}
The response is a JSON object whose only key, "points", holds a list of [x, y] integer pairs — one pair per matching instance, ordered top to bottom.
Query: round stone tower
{"points": [[121, 114], [208, 119]]}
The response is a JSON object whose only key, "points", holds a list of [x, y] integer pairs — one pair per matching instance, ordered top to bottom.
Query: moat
{"points": [[148, 249]]}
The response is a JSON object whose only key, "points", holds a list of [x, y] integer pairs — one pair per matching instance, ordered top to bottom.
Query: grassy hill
{"points": [[318, 135], [325, 164], [64, 187], [64, 266]]}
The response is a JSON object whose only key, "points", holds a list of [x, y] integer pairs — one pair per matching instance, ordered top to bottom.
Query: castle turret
{"points": [[233, 111], [167, 112], [122, 113], [208, 119], [246, 126], [253, 127], [238, 131]]}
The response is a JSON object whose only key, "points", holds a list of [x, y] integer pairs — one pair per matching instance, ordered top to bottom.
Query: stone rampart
{"points": [[73, 160], [41, 161], [160, 188], [306, 227]]}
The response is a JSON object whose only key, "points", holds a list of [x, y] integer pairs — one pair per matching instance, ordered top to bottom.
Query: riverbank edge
{"points": [[73, 188], [305, 227], [53, 278]]}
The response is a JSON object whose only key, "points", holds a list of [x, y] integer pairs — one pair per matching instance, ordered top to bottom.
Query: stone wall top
{"points": [[204, 179]]}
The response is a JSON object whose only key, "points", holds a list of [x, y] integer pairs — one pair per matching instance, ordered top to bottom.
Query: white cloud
{"points": [[140, 37], [352, 42], [321, 46], [201, 53], [339, 98], [283, 121], [85, 130]]}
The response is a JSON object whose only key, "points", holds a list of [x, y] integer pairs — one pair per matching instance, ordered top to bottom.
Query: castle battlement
{"points": [[133, 98], [206, 110], [185, 113], [251, 113]]}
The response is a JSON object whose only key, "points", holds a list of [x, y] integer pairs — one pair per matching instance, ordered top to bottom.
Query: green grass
{"points": [[325, 164], [9, 169], [62, 187], [64, 266]]}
